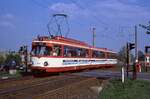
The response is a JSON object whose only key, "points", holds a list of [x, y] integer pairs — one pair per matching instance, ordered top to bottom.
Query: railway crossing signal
{"points": [[148, 32], [130, 46], [23, 51]]}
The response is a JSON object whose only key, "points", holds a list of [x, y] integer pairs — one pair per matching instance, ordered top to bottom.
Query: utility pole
{"points": [[93, 31], [136, 45], [136, 55], [26, 58], [127, 60]]}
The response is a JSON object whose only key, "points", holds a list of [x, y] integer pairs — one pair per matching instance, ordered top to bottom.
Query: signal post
{"points": [[130, 46], [136, 56]]}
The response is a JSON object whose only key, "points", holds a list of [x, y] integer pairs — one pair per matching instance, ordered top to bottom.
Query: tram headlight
{"points": [[45, 63]]}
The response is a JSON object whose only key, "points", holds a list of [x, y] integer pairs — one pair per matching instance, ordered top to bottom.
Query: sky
{"points": [[23, 20]]}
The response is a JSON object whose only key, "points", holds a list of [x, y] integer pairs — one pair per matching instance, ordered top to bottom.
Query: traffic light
{"points": [[147, 32], [131, 46], [23, 49]]}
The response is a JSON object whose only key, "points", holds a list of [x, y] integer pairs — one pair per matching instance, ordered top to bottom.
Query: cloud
{"points": [[129, 1], [62, 7], [70, 9], [119, 11], [7, 16], [6, 20], [7, 24]]}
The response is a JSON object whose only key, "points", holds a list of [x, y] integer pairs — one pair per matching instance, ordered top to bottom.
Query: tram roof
{"points": [[69, 41]]}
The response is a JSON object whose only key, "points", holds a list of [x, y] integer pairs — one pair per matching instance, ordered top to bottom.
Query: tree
{"points": [[122, 55], [140, 56], [13, 57], [2, 60]]}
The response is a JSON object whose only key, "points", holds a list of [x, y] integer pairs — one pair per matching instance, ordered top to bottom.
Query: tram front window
{"points": [[41, 50]]}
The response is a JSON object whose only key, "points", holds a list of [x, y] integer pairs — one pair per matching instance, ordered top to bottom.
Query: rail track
{"points": [[15, 79], [25, 81], [13, 82], [66, 86], [77, 90]]}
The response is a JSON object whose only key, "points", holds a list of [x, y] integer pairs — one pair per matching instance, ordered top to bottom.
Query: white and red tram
{"points": [[60, 54]]}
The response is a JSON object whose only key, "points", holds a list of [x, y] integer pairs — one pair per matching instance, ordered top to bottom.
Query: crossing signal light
{"points": [[148, 32], [131, 46]]}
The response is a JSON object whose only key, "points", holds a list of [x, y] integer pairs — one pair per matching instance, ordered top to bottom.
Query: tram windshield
{"points": [[41, 50]]}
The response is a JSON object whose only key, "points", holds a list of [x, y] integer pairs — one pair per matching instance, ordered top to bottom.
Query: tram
{"points": [[60, 54]]}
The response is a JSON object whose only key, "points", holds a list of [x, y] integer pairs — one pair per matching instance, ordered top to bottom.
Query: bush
{"points": [[12, 57], [2, 60]]}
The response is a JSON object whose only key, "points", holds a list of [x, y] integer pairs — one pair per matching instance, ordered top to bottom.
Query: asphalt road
{"points": [[112, 74]]}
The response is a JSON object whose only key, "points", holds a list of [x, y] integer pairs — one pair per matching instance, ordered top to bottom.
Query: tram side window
{"points": [[41, 50], [56, 50], [70, 51], [75, 52], [83, 52], [98, 54], [101, 54], [108, 55], [111, 55]]}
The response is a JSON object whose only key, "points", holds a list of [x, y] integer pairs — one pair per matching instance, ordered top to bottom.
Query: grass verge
{"points": [[6, 74], [131, 89]]}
